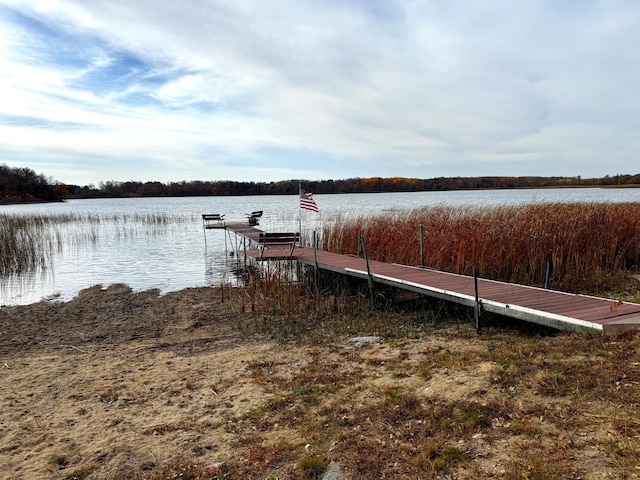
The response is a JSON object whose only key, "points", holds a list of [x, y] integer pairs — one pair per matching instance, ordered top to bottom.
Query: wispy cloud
{"points": [[159, 90]]}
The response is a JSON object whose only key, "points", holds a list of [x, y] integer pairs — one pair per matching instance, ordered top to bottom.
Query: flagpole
{"points": [[299, 210]]}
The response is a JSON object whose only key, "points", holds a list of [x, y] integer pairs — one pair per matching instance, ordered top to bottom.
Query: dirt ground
{"points": [[115, 384]]}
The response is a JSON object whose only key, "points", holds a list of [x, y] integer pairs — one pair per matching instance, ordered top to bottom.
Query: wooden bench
{"points": [[253, 218], [213, 220], [267, 239]]}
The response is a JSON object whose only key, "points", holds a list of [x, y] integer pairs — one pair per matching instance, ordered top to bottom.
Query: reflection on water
{"points": [[160, 243]]}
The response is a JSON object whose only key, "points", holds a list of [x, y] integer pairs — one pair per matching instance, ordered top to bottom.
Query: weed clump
{"points": [[435, 458], [311, 466]]}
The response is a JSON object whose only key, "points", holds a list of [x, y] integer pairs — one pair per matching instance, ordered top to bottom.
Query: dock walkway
{"points": [[559, 310]]}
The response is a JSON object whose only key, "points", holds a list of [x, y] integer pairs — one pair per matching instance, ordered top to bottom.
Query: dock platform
{"points": [[563, 311]]}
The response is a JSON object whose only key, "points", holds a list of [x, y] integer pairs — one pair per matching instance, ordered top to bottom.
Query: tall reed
{"points": [[28, 242], [509, 243]]}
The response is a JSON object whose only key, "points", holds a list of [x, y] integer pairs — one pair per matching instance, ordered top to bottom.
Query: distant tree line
{"points": [[23, 185], [351, 185]]}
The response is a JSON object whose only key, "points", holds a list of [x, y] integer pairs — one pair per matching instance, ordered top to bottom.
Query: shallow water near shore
{"points": [[160, 243]]}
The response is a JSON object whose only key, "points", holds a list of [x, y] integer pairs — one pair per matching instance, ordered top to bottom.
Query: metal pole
{"points": [[300, 213], [204, 230], [244, 242], [421, 245], [236, 253], [315, 258], [366, 258], [546, 276], [476, 312]]}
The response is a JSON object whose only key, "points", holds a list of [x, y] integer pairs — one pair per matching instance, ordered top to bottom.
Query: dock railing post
{"points": [[244, 243], [421, 246], [315, 259], [546, 275], [369, 277], [476, 310]]}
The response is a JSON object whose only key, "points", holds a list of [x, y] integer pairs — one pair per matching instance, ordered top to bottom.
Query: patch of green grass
{"points": [[392, 342], [452, 359], [425, 372], [303, 390], [307, 394], [474, 419], [446, 423], [436, 458], [311, 466], [78, 474]]}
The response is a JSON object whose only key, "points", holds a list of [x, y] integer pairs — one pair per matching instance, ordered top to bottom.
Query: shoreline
{"points": [[117, 384]]}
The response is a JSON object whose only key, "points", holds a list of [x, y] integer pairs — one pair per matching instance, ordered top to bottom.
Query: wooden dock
{"points": [[244, 230], [563, 311]]}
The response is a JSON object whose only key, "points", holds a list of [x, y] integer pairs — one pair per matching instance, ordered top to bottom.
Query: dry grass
{"points": [[586, 245], [196, 385]]}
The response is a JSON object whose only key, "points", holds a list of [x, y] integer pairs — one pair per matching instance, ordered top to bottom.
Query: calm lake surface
{"points": [[173, 254]]}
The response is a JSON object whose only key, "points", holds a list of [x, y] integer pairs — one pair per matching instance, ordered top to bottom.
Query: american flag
{"points": [[307, 202]]}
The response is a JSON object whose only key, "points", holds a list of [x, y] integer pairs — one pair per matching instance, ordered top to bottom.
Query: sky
{"points": [[254, 90]]}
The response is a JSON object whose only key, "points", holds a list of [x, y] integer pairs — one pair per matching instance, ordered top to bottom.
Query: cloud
{"points": [[201, 89]]}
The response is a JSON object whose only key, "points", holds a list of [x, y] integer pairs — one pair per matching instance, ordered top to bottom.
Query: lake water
{"points": [[174, 254]]}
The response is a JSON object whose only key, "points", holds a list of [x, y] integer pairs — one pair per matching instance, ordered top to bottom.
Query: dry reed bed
{"points": [[581, 241]]}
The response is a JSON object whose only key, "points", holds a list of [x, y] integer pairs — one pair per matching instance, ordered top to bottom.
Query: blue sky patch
{"points": [[103, 69]]}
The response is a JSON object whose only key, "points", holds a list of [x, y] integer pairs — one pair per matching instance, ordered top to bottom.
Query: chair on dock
{"points": [[254, 217], [212, 220], [267, 240]]}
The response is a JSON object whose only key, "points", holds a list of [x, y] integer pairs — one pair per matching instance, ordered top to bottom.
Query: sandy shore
{"points": [[115, 380], [116, 384]]}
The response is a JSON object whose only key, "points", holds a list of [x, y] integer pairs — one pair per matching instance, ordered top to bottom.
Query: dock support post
{"points": [[204, 230], [244, 243], [421, 245], [237, 252], [315, 259], [546, 276], [369, 277], [476, 309]]}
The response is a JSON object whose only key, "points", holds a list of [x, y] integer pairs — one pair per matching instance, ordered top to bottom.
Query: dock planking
{"points": [[244, 229], [563, 311]]}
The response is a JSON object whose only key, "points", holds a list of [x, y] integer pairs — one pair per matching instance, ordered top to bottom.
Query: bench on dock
{"points": [[254, 217], [213, 220], [275, 239]]}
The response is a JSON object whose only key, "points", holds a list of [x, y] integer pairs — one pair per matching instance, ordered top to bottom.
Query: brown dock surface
{"points": [[243, 229], [559, 310]]}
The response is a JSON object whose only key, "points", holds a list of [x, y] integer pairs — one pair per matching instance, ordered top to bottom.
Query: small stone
{"points": [[359, 342], [333, 472]]}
